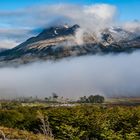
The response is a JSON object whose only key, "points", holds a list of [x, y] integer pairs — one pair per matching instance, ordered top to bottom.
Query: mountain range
{"points": [[65, 41]]}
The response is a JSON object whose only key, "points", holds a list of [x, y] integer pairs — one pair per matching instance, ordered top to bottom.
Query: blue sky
{"points": [[128, 9]]}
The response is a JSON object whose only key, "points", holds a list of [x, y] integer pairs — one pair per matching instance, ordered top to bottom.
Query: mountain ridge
{"points": [[61, 41]]}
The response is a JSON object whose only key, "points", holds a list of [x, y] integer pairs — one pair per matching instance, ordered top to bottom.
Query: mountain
{"points": [[63, 41]]}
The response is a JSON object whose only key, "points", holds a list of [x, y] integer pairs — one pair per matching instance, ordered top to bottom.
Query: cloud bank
{"points": [[133, 27], [8, 43], [110, 75]]}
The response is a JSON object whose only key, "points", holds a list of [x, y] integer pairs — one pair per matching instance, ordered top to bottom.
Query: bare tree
{"points": [[45, 125], [2, 135]]}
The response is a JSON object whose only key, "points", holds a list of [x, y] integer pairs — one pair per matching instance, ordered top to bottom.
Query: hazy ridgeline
{"points": [[109, 75]]}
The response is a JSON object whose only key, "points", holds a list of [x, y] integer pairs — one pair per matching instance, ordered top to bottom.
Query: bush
{"points": [[92, 99]]}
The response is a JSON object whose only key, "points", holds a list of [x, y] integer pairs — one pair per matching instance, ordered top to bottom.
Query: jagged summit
{"points": [[57, 31], [53, 32]]}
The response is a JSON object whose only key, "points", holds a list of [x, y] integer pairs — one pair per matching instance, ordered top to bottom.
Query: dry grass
{"points": [[15, 134]]}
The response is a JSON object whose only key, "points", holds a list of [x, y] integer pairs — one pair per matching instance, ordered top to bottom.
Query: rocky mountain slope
{"points": [[63, 41]]}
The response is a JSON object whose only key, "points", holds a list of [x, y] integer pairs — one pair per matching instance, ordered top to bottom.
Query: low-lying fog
{"points": [[109, 75]]}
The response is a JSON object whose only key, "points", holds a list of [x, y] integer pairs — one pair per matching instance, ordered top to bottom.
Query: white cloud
{"points": [[102, 11], [42, 15], [92, 16], [133, 26], [10, 37], [8, 43]]}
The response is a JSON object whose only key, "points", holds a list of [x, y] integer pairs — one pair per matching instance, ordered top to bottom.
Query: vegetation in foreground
{"points": [[84, 121], [16, 134]]}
